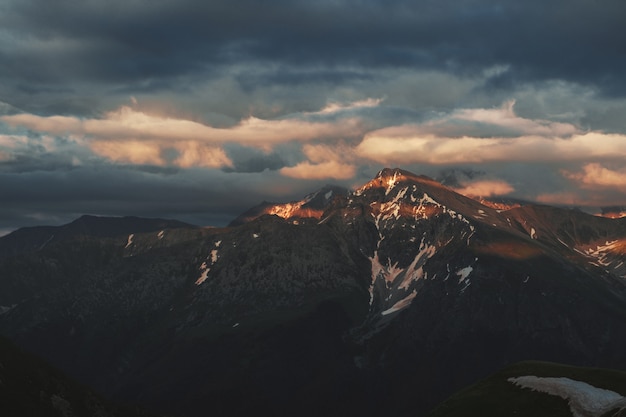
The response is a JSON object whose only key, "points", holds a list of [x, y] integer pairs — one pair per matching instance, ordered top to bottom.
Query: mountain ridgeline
{"points": [[382, 301]]}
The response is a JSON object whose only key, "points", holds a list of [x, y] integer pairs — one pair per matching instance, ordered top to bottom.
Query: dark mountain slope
{"points": [[33, 239], [29, 387]]}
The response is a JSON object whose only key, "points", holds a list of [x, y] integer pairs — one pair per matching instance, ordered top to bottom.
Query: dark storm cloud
{"points": [[121, 43], [251, 80], [248, 160]]}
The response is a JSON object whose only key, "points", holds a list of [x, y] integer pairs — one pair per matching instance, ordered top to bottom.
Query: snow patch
{"points": [[391, 182], [328, 195], [286, 210], [533, 233], [161, 234], [255, 235], [130, 240], [218, 243], [608, 256], [205, 268], [415, 272], [464, 273], [402, 304], [6, 309], [583, 399]]}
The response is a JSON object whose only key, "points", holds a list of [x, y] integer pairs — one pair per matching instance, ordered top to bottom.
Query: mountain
{"points": [[312, 206], [614, 212], [33, 239], [382, 301], [31, 388], [541, 389]]}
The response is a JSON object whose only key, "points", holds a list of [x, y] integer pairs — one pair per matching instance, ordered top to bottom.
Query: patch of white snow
{"points": [[130, 240], [205, 273], [464, 273], [402, 304], [6, 309], [583, 399]]}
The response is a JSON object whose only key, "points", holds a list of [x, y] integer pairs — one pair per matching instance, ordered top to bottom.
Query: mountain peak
{"points": [[392, 172], [388, 178], [312, 206]]}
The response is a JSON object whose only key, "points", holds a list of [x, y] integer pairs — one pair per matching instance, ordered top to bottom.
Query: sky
{"points": [[198, 110]]}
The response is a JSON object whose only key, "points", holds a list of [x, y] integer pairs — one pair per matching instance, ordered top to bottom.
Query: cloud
{"points": [[171, 46], [495, 121], [127, 123], [131, 136], [526, 140], [250, 160], [323, 162], [322, 170], [595, 175], [486, 188], [563, 198]]}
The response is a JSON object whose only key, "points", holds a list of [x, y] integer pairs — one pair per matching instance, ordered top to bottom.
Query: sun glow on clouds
{"points": [[129, 123], [499, 135], [131, 136], [335, 141], [323, 161], [595, 175], [486, 188]]}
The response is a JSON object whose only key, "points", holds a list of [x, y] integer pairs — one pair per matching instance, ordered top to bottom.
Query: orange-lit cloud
{"points": [[505, 116], [127, 122], [487, 135], [131, 136], [405, 145], [134, 151], [188, 153], [322, 162], [329, 169], [595, 175], [487, 188], [564, 197]]}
